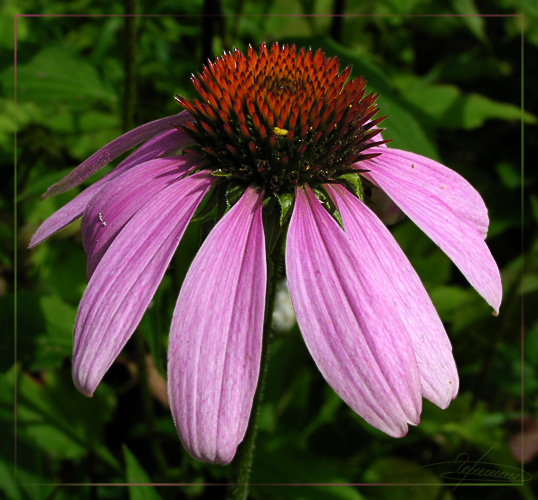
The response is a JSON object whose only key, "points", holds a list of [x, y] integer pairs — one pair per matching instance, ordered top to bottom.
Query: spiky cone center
{"points": [[280, 119]]}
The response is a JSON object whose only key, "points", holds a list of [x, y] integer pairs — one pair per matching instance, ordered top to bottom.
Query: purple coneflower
{"points": [[284, 133]]}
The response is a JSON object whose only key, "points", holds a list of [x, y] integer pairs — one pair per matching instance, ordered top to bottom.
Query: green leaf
{"points": [[471, 17], [7, 27], [56, 75], [450, 108], [480, 108], [26, 113], [87, 122], [403, 129], [85, 132], [510, 176], [354, 184], [37, 185], [234, 192], [286, 204], [209, 205], [272, 213], [431, 264], [61, 265], [530, 283], [448, 300], [50, 332], [56, 342], [59, 420], [463, 421], [135, 473], [7, 481], [20, 482]]}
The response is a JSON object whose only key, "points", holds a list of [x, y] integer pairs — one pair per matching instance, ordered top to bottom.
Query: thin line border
{"points": [[15, 218]]}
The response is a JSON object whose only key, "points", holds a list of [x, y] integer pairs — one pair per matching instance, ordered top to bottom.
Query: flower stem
{"points": [[242, 463]]}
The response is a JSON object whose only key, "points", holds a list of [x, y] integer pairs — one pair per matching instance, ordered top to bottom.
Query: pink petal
{"points": [[165, 143], [161, 145], [112, 150], [429, 176], [447, 208], [109, 211], [128, 275], [400, 285], [352, 331], [216, 335]]}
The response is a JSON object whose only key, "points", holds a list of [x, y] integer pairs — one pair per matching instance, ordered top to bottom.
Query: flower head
{"points": [[281, 119], [280, 131]]}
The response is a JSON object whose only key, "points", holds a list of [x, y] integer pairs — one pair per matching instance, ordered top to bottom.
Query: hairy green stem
{"points": [[242, 463]]}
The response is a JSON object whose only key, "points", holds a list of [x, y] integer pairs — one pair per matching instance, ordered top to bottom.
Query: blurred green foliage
{"points": [[452, 89]]}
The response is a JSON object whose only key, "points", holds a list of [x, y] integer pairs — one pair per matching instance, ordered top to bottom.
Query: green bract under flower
{"points": [[280, 119]]}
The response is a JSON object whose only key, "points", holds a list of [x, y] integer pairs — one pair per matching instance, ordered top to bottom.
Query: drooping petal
{"points": [[156, 147], [114, 149], [429, 176], [447, 208], [109, 211], [128, 275], [398, 282], [353, 333], [216, 335]]}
